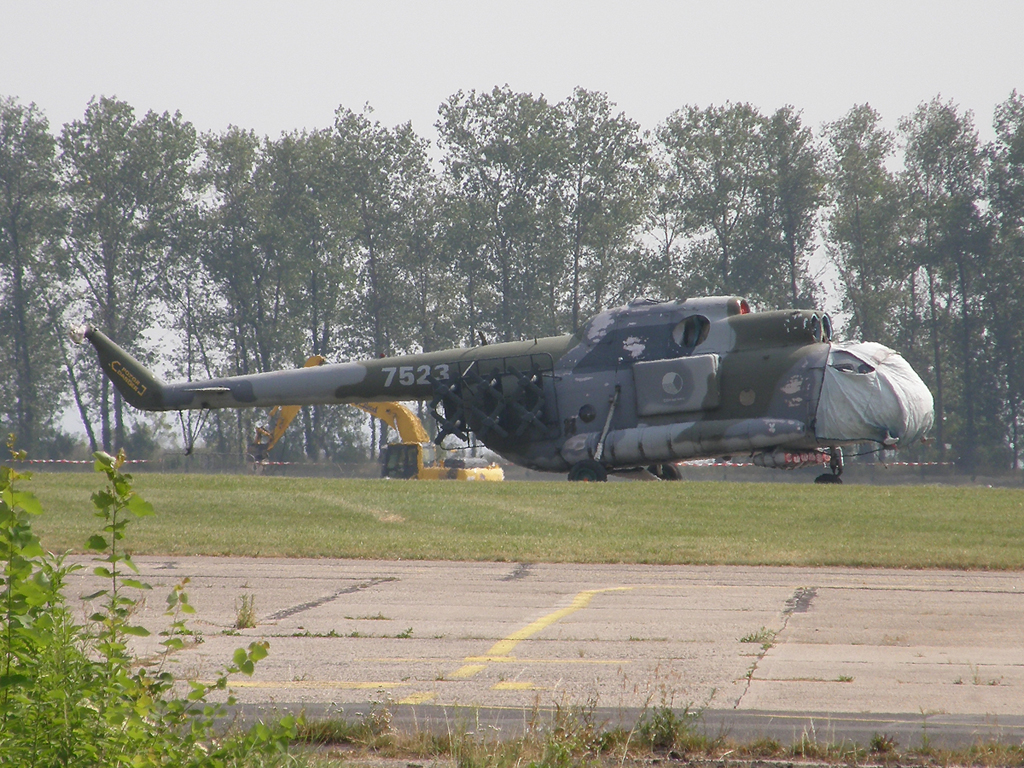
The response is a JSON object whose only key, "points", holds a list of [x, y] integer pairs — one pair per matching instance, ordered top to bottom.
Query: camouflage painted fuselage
{"points": [[643, 384]]}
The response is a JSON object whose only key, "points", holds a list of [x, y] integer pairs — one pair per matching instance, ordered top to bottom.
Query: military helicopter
{"points": [[640, 387]]}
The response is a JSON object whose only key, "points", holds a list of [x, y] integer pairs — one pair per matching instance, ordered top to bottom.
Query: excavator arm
{"points": [[395, 415], [280, 418], [399, 418]]}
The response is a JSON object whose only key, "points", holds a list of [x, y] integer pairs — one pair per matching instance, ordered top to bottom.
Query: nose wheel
{"points": [[835, 465], [588, 471]]}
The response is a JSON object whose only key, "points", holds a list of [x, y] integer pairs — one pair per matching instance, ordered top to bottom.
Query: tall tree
{"points": [[500, 154], [716, 165], [943, 172], [385, 176], [604, 176], [386, 181], [125, 182], [792, 194], [312, 215], [308, 218], [863, 222], [29, 225], [463, 252], [245, 254], [245, 258], [664, 260], [430, 276], [1004, 284], [195, 314]]}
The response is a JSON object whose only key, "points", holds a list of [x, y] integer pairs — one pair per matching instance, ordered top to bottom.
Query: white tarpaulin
{"points": [[870, 393]]}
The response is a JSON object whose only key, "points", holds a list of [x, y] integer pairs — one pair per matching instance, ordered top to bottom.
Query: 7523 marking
{"points": [[407, 375]]}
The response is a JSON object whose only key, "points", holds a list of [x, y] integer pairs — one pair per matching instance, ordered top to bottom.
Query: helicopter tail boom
{"points": [[142, 389]]}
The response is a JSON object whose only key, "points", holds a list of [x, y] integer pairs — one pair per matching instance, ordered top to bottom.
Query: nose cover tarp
{"points": [[870, 393]]}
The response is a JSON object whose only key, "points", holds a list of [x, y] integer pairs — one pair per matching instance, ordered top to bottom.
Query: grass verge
{"points": [[683, 522], [575, 737]]}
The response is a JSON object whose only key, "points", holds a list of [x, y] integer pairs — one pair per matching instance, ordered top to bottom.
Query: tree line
{"points": [[208, 254]]}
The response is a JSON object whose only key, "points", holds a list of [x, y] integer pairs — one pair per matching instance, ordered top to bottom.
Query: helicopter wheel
{"points": [[835, 464], [588, 471], [665, 471]]}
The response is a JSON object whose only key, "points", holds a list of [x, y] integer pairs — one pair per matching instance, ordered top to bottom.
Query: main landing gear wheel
{"points": [[835, 465], [588, 471], [665, 471], [828, 479]]}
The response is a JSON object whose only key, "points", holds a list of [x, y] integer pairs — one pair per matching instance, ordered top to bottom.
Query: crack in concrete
{"points": [[521, 571], [799, 602], [286, 612]]}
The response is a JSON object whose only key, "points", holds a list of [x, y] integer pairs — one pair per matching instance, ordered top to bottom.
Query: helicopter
{"points": [[640, 387]]}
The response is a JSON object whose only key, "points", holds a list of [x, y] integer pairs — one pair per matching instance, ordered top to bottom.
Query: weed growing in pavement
{"points": [[245, 617], [307, 633], [764, 637], [978, 679], [663, 730], [371, 731], [573, 736], [882, 744], [764, 747], [808, 747]]}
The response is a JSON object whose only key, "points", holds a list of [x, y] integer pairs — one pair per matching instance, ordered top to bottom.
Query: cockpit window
{"points": [[690, 333], [619, 346], [846, 362]]}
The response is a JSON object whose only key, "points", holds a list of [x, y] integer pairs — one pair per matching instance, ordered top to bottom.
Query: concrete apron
{"points": [[765, 651]]}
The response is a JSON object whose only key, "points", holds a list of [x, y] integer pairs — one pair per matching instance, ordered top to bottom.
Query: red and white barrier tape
{"points": [[77, 461], [689, 463], [716, 463], [919, 463]]}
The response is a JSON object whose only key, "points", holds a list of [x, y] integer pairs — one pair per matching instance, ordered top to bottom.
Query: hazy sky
{"points": [[279, 66]]}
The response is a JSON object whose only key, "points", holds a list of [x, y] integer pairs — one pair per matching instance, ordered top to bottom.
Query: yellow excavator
{"points": [[280, 417], [413, 457]]}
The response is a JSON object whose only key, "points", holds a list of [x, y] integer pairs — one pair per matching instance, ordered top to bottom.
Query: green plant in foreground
{"points": [[72, 694], [661, 730], [574, 738], [883, 744]]}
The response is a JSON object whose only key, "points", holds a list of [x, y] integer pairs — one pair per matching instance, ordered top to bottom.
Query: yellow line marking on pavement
{"points": [[582, 600], [502, 648], [405, 659], [505, 660], [514, 660], [468, 671], [348, 686], [510, 686], [418, 698]]}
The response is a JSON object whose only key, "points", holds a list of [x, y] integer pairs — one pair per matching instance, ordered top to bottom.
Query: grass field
{"points": [[684, 522]]}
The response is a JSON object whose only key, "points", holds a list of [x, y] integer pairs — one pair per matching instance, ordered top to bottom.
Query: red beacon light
{"points": [[734, 305]]}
